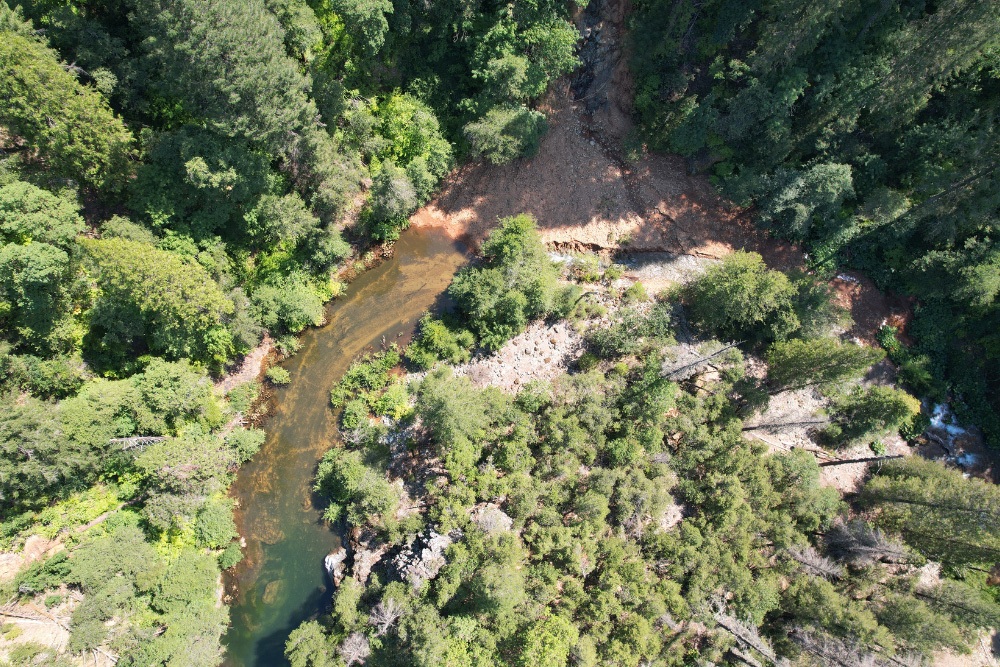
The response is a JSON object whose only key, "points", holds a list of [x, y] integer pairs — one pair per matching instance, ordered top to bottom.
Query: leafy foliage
{"points": [[69, 124], [514, 284], [152, 297]]}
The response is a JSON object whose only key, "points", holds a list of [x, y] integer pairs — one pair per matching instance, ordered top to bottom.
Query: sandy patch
{"points": [[869, 308], [249, 369], [36, 548]]}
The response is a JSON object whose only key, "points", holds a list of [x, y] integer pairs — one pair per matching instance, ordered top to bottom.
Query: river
{"points": [[281, 581]]}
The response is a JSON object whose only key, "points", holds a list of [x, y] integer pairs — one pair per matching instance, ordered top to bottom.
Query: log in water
{"points": [[281, 581]]}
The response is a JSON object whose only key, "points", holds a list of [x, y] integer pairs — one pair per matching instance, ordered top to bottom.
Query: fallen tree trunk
{"points": [[870, 459]]}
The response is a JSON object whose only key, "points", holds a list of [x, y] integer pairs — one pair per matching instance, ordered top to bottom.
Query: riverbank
{"points": [[281, 581]]}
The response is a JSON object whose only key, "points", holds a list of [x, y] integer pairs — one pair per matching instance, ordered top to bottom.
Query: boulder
{"points": [[424, 557], [334, 565]]}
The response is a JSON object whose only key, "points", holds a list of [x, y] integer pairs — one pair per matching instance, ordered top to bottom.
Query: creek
{"points": [[281, 581]]}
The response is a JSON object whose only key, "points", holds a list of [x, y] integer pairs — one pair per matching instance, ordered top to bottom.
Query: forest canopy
{"points": [[187, 183]]}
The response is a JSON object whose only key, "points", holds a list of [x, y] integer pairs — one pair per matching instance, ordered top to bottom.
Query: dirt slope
{"points": [[579, 187]]}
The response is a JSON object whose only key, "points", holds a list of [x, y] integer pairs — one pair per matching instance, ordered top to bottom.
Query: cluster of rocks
{"points": [[540, 353], [490, 518], [424, 558], [419, 561], [335, 565]]}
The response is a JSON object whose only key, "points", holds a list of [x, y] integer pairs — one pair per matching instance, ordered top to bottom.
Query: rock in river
{"points": [[334, 564]]}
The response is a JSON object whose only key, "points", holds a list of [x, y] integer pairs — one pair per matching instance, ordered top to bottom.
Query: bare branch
{"points": [[816, 564], [384, 615], [355, 649]]}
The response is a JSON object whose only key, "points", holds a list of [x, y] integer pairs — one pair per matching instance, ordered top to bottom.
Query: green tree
{"points": [[366, 22], [225, 61], [69, 124], [503, 134], [414, 142], [199, 183], [393, 198], [802, 200], [31, 214], [514, 284], [33, 297], [153, 297], [742, 299], [287, 304], [796, 364], [865, 414], [35, 460], [179, 474], [361, 492], [937, 510], [308, 646]]}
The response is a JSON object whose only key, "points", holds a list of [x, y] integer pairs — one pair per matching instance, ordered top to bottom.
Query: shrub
{"points": [[503, 134], [585, 268], [613, 273], [515, 283], [635, 293], [741, 299], [633, 331], [436, 341], [587, 362], [370, 373], [278, 375], [243, 396], [394, 402], [355, 413], [869, 413], [244, 443], [213, 524], [230, 556]]}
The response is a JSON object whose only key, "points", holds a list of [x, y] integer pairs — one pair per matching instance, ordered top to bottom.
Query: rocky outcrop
{"points": [[490, 518], [368, 552], [424, 557], [334, 563]]}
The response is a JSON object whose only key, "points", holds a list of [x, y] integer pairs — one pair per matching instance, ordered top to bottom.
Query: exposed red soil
{"points": [[584, 197], [870, 309]]}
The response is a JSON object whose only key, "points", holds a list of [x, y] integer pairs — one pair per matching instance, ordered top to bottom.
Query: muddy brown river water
{"points": [[281, 581]]}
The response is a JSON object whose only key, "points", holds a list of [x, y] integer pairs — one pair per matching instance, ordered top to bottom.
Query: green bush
{"points": [[504, 134], [585, 268], [613, 273], [515, 283], [635, 293], [633, 331], [436, 341], [587, 362], [370, 373], [278, 375], [243, 396], [394, 402], [355, 413], [869, 413], [244, 443], [213, 524], [230, 556]]}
